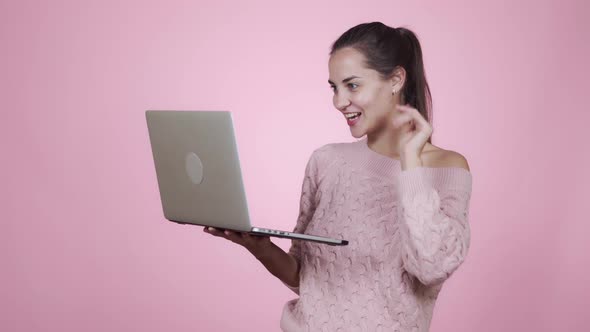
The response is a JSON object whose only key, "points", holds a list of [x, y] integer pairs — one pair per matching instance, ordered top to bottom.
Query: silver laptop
{"points": [[199, 175]]}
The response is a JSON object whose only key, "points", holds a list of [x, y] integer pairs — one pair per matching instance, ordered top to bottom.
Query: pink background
{"points": [[83, 243]]}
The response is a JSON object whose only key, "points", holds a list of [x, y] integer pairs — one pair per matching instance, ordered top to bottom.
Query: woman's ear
{"points": [[397, 79]]}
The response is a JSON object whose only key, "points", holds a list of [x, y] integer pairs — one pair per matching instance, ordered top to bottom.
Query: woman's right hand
{"points": [[255, 244], [278, 262]]}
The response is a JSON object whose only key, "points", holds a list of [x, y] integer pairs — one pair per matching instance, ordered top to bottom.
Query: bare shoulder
{"points": [[434, 156]]}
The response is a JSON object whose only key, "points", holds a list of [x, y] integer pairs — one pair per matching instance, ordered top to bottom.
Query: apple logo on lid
{"points": [[194, 168]]}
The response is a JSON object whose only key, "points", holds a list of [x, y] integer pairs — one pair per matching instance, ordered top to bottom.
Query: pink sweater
{"points": [[407, 233]]}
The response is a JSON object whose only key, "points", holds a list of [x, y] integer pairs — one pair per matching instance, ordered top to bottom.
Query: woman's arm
{"points": [[434, 224], [275, 260], [281, 264]]}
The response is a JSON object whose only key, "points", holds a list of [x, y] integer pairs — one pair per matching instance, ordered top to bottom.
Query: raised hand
{"points": [[418, 130]]}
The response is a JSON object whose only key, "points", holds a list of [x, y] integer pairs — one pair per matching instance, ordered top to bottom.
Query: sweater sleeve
{"points": [[307, 206], [434, 221]]}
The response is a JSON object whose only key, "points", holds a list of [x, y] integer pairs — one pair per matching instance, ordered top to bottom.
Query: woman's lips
{"points": [[352, 122]]}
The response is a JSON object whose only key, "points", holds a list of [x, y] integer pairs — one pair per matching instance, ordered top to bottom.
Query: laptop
{"points": [[199, 175]]}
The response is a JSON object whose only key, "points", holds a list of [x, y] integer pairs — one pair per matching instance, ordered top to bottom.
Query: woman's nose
{"points": [[341, 102]]}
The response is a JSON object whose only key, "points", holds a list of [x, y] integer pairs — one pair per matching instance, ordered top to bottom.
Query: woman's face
{"points": [[360, 92]]}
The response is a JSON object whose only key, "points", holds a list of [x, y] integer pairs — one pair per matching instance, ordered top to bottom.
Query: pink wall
{"points": [[83, 243]]}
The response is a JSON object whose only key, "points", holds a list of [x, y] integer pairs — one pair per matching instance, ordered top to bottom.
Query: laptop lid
{"points": [[198, 168]]}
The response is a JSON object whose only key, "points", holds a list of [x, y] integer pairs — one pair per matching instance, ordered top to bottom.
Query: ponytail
{"points": [[416, 91]]}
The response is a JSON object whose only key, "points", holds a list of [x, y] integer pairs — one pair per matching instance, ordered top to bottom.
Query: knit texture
{"points": [[407, 233]]}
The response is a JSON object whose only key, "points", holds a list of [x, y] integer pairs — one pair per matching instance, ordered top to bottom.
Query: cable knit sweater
{"points": [[407, 233]]}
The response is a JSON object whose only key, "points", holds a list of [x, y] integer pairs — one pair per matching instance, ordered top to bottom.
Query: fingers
{"points": [[413, 114], [401, 120], [215, 232], [229, 235], [234, 237], [244, 239]]}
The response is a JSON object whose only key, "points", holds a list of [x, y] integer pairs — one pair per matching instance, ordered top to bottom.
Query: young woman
{"points": [[400, 201]]}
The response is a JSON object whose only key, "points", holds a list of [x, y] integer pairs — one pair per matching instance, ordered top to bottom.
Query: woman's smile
{"points": [[352, 118]]}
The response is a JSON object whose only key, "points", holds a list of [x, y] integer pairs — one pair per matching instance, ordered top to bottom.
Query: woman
{"points": [[400, 201]]}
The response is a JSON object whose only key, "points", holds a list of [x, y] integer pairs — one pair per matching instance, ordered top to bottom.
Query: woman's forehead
{"points": [[348, 57], [343, 67]]}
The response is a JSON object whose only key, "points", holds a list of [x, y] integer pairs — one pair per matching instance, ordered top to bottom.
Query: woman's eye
{"points": [[351, 85]]}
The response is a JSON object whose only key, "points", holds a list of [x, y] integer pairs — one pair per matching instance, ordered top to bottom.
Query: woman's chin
{"points": [[357, 133]]}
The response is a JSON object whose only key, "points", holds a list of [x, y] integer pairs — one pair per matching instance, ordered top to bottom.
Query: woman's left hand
{"points": [[413, 139]]}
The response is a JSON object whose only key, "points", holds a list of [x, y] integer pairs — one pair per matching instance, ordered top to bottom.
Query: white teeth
{"points": [[352, 115]]}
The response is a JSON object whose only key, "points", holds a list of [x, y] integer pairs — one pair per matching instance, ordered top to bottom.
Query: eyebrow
{"points": [[344, 80]]}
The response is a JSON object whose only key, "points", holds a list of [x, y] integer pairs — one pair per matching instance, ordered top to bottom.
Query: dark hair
{"points": [[386, 48]]}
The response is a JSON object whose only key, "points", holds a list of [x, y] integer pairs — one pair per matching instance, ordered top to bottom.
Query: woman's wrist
{"points": [[410, 160], [261, 250]]}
